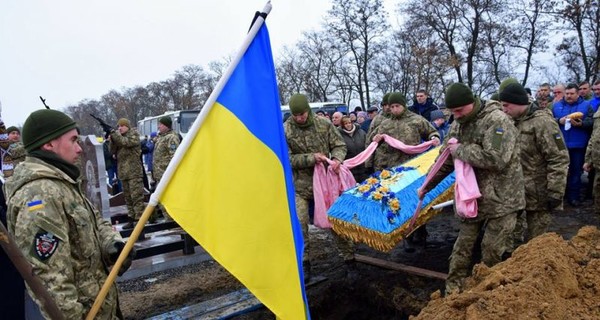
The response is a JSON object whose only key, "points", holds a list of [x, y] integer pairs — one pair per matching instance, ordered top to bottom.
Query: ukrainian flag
{"points": [[233, 189]]}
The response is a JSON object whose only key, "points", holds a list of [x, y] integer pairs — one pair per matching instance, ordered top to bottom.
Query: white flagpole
{"points": [[187, 141]]}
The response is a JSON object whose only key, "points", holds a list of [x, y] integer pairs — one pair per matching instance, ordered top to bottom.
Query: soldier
{"points": [[378, 119], [403, 125], [311, 140], [487, 140], [125, 144], [165, 147], [16, 149], [544, 159], [592, 159], [69, 245]]}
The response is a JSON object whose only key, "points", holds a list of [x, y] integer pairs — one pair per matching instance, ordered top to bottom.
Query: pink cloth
{"points": [[328, 185], [466, 189]]}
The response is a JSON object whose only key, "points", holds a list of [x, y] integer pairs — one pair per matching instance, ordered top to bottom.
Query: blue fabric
{"points": [[595, 102], [424, 109], [576, 137], [577, 157]]}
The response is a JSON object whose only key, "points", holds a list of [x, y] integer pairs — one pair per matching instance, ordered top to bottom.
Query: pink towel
{"points": [[328, 185], [466, 189]]}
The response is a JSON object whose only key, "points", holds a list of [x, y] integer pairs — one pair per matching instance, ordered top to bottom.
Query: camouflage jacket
{"points": [[373, 127], [409, 128], [303, 143], [489, 143], [127, 149], [164, 150], [592, 154], [11, 157], [544, 157], [63, 237]]}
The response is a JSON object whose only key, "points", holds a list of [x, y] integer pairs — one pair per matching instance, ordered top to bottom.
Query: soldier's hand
{"points": [[377, 138], [436, 141], [453, 147], [319, 157], [336, 165], [587, 167], [421, 193], [554, 203], [116, 252]]}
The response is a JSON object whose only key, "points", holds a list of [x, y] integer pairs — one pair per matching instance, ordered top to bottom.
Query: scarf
{"points": [[53, 159]]}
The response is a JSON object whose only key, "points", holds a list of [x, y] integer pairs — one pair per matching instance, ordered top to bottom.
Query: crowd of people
{"points": [[528, 155]]}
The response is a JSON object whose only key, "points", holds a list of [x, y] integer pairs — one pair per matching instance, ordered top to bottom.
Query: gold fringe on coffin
{"points": [[387, 241]]}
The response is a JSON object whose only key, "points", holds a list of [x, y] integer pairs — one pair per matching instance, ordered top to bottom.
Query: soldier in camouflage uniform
{"points": [[385, 113], [403, 125], [311, 140], [488, 141], [125, 144], [165, 148], [16, 149], [544, 159], [592, 159], [69, 245]]}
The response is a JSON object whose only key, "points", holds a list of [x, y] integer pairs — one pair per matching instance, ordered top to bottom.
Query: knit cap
{"points": [[514, 93], [458, 95], [397, 97], [299, 104], [437, 114], [167, 121], [124, 122], [43, 126]]}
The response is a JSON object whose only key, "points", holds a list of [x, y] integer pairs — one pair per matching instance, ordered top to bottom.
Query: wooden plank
{"points": [[400, 267], [223, 307]]}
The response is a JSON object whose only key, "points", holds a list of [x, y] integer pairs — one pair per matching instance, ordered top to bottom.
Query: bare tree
{"points": [[360, 26]]}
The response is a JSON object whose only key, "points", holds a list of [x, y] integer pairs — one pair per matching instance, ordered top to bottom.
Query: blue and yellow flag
{"points": [[233, 189]]}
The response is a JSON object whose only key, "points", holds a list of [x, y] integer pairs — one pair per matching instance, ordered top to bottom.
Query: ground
{"points": [[364, 291]]}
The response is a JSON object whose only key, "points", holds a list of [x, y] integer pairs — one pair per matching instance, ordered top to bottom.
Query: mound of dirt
{"points": [[548, 278]]}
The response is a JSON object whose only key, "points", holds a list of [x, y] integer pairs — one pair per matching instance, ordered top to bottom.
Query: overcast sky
{"points": [[68, 50]]}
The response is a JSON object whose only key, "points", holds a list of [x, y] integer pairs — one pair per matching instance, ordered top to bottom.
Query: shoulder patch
{"points": [[497, 138], [560, 144], [173, 146], [35, 205], [44, 245]]}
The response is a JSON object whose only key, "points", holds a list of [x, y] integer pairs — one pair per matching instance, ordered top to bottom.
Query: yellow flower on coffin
{"points": [[385, 174], [372, 180], [364, 188], [383, 189], [377, 195], [394, 205]]}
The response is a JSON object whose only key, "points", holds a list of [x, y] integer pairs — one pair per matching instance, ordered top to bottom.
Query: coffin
{"points": [[378, 211]]}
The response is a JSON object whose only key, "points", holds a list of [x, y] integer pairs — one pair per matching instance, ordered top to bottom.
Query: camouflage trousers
{"points": [[133, 190], [597, 192], [529, 225], [496, 233], [345, 247]]}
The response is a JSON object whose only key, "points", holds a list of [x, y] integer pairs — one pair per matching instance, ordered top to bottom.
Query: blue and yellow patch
{"points": [[173, 146], [35, 205]]}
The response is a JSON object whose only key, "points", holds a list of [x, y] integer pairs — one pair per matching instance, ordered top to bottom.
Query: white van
{"points": [[329, 107]]}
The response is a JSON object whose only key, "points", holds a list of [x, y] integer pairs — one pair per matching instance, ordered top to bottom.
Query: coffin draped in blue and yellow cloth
{"points": [[379, 210]]}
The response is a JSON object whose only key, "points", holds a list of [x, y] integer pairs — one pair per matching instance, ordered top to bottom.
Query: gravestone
{"points": [[93, 174]]}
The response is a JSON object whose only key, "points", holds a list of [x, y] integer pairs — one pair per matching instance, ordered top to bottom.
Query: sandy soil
{"points": [[549, 278]]}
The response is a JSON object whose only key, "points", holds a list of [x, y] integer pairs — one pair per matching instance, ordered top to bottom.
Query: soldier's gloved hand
{"points": [[554, 203], [116, 252]]}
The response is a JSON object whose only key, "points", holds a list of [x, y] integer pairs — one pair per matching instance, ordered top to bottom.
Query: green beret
{"points": [[505, 83], [515, 93], [458, 95], [397, 97], [385, 99], [299, 104], [167, 121], [124, 122], [43, 126], [12, 128]]}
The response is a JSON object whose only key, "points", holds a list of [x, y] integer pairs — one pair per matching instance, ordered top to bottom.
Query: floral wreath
{"points": [[372, 188]]}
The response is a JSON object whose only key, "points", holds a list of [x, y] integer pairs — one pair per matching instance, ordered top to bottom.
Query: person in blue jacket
{"points": [[576, 133]]}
